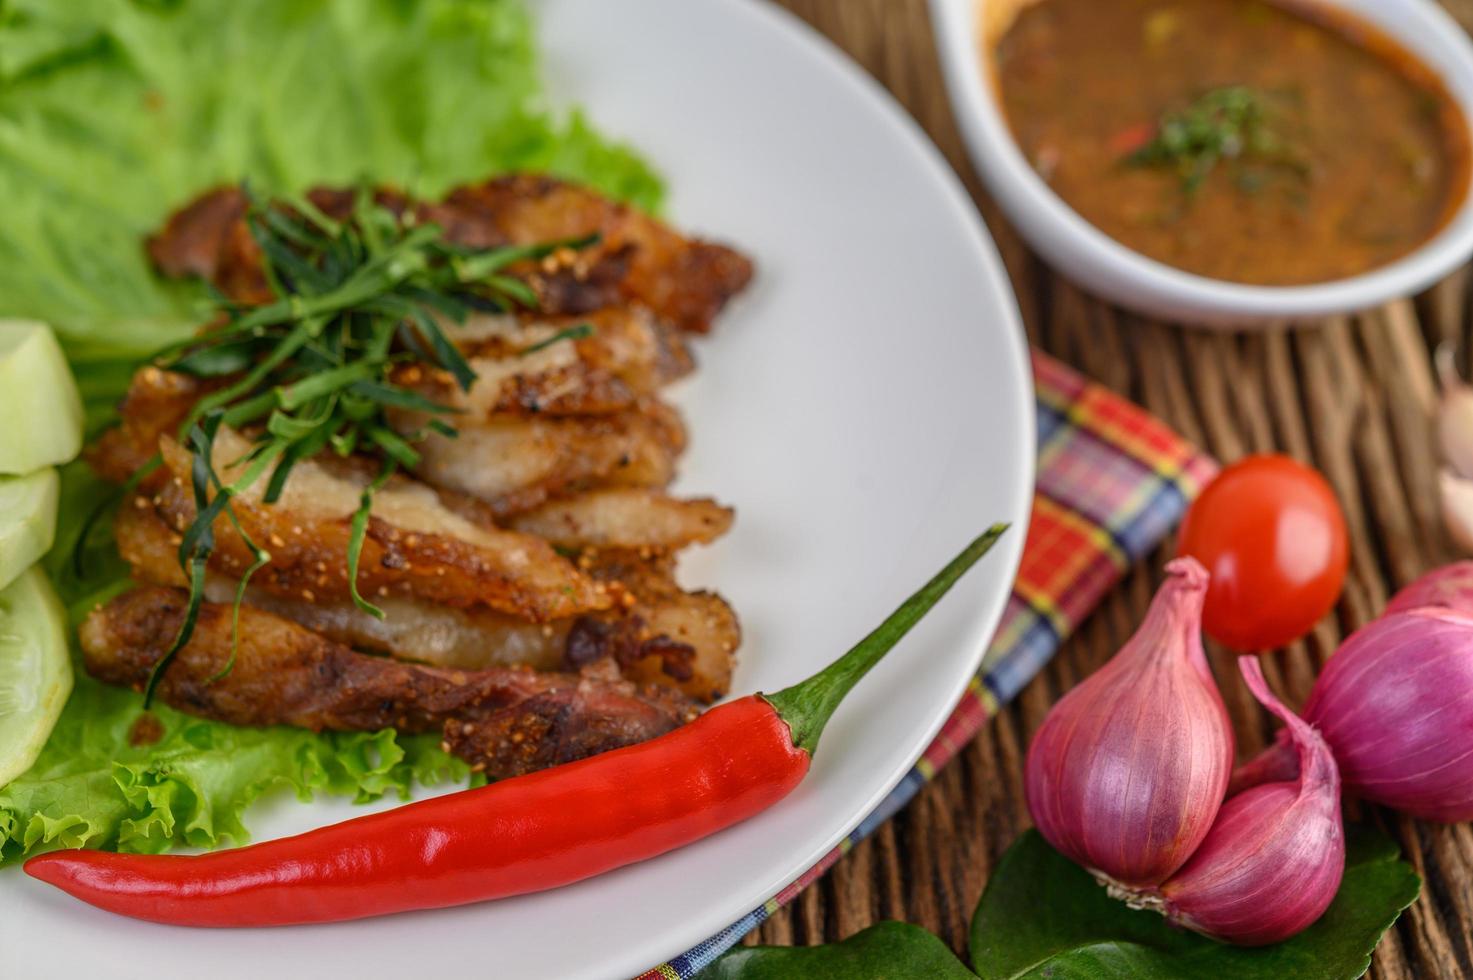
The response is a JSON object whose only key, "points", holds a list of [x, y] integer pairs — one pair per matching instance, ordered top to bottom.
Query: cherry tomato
{"points": [[1272, 534]]}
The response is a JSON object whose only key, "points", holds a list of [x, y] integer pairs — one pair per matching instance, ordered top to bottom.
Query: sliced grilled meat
{"points": [[638, 259], [683, 280], [522, 368], [156, 405], [516, 463], [625, 518], [415, 546], [701, 621], [654, 631], [284, 674]]}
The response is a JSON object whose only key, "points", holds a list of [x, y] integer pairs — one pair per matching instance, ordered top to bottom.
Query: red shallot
{"points": [[1395, 703], [1129, 769], [1274, 857]]}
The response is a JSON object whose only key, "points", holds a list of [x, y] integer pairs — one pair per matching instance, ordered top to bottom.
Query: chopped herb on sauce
{"points": [[1223, 125]]}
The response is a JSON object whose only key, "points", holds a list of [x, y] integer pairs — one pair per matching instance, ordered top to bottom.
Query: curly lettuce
{"points": [[112, 113], [92, 787]]}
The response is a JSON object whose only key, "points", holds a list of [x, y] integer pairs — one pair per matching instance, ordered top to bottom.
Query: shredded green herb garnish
{"points": [[1230, 124], [577, 332], [310, 371]]}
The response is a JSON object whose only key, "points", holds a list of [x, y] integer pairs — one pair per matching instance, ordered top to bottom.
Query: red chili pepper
{"points": [[1132, 138], [525, 834]]}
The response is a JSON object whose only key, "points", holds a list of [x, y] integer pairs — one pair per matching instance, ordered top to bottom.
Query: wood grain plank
{"points": [[1350, 396]]}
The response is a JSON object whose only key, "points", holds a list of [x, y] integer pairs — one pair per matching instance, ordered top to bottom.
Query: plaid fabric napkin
{"points": [[1112, 481]]}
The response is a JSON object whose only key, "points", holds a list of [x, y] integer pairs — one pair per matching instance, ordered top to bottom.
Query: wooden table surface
{"points": [[1353, 396]]}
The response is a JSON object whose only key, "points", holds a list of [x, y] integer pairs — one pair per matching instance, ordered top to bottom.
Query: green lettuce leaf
{"points": [[114, 112], [92, 788]]}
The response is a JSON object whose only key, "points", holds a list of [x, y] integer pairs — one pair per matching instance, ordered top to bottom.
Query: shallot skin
{"points": [[1448, 587], [1395, 703], [1129, 769], [1275, 856]]}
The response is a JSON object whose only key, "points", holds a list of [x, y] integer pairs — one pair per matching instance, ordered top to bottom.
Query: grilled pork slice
{"points": [[208, 238], [637, 259], [683, 280], [522, 367], [610, 372], [156, 405], [513, 463], [516, 463], [625, 518], [416, 545], [700, 621], [656, 631], [442, 636], [642, 640], [684, 640], [284, 674]]}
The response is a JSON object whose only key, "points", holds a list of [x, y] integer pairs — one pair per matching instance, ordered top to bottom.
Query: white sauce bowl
{"points": [[1099, 263]]}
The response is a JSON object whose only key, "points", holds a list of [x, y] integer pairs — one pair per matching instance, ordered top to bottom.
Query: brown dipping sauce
{"points": [[1357, 156]]}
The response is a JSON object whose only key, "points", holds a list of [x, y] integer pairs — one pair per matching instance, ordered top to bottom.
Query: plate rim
{"points": [[677, 940]]}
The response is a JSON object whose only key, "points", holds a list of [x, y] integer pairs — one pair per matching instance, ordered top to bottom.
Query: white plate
{"points": [[867, 408]]}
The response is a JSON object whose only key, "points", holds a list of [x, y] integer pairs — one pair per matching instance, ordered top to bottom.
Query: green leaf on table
{"points": [[1044, 916], [887, 951]]}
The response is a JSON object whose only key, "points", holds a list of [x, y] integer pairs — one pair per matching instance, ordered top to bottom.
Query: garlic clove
{"points": [[1454, 415], [1457, 508], [1448, 587], [1395, 703], [1128, 770], [1273, 860]]}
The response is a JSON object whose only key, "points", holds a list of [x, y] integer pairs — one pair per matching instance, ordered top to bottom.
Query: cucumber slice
{"points": [[40, 410], [27, 520], [35, 669]]}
